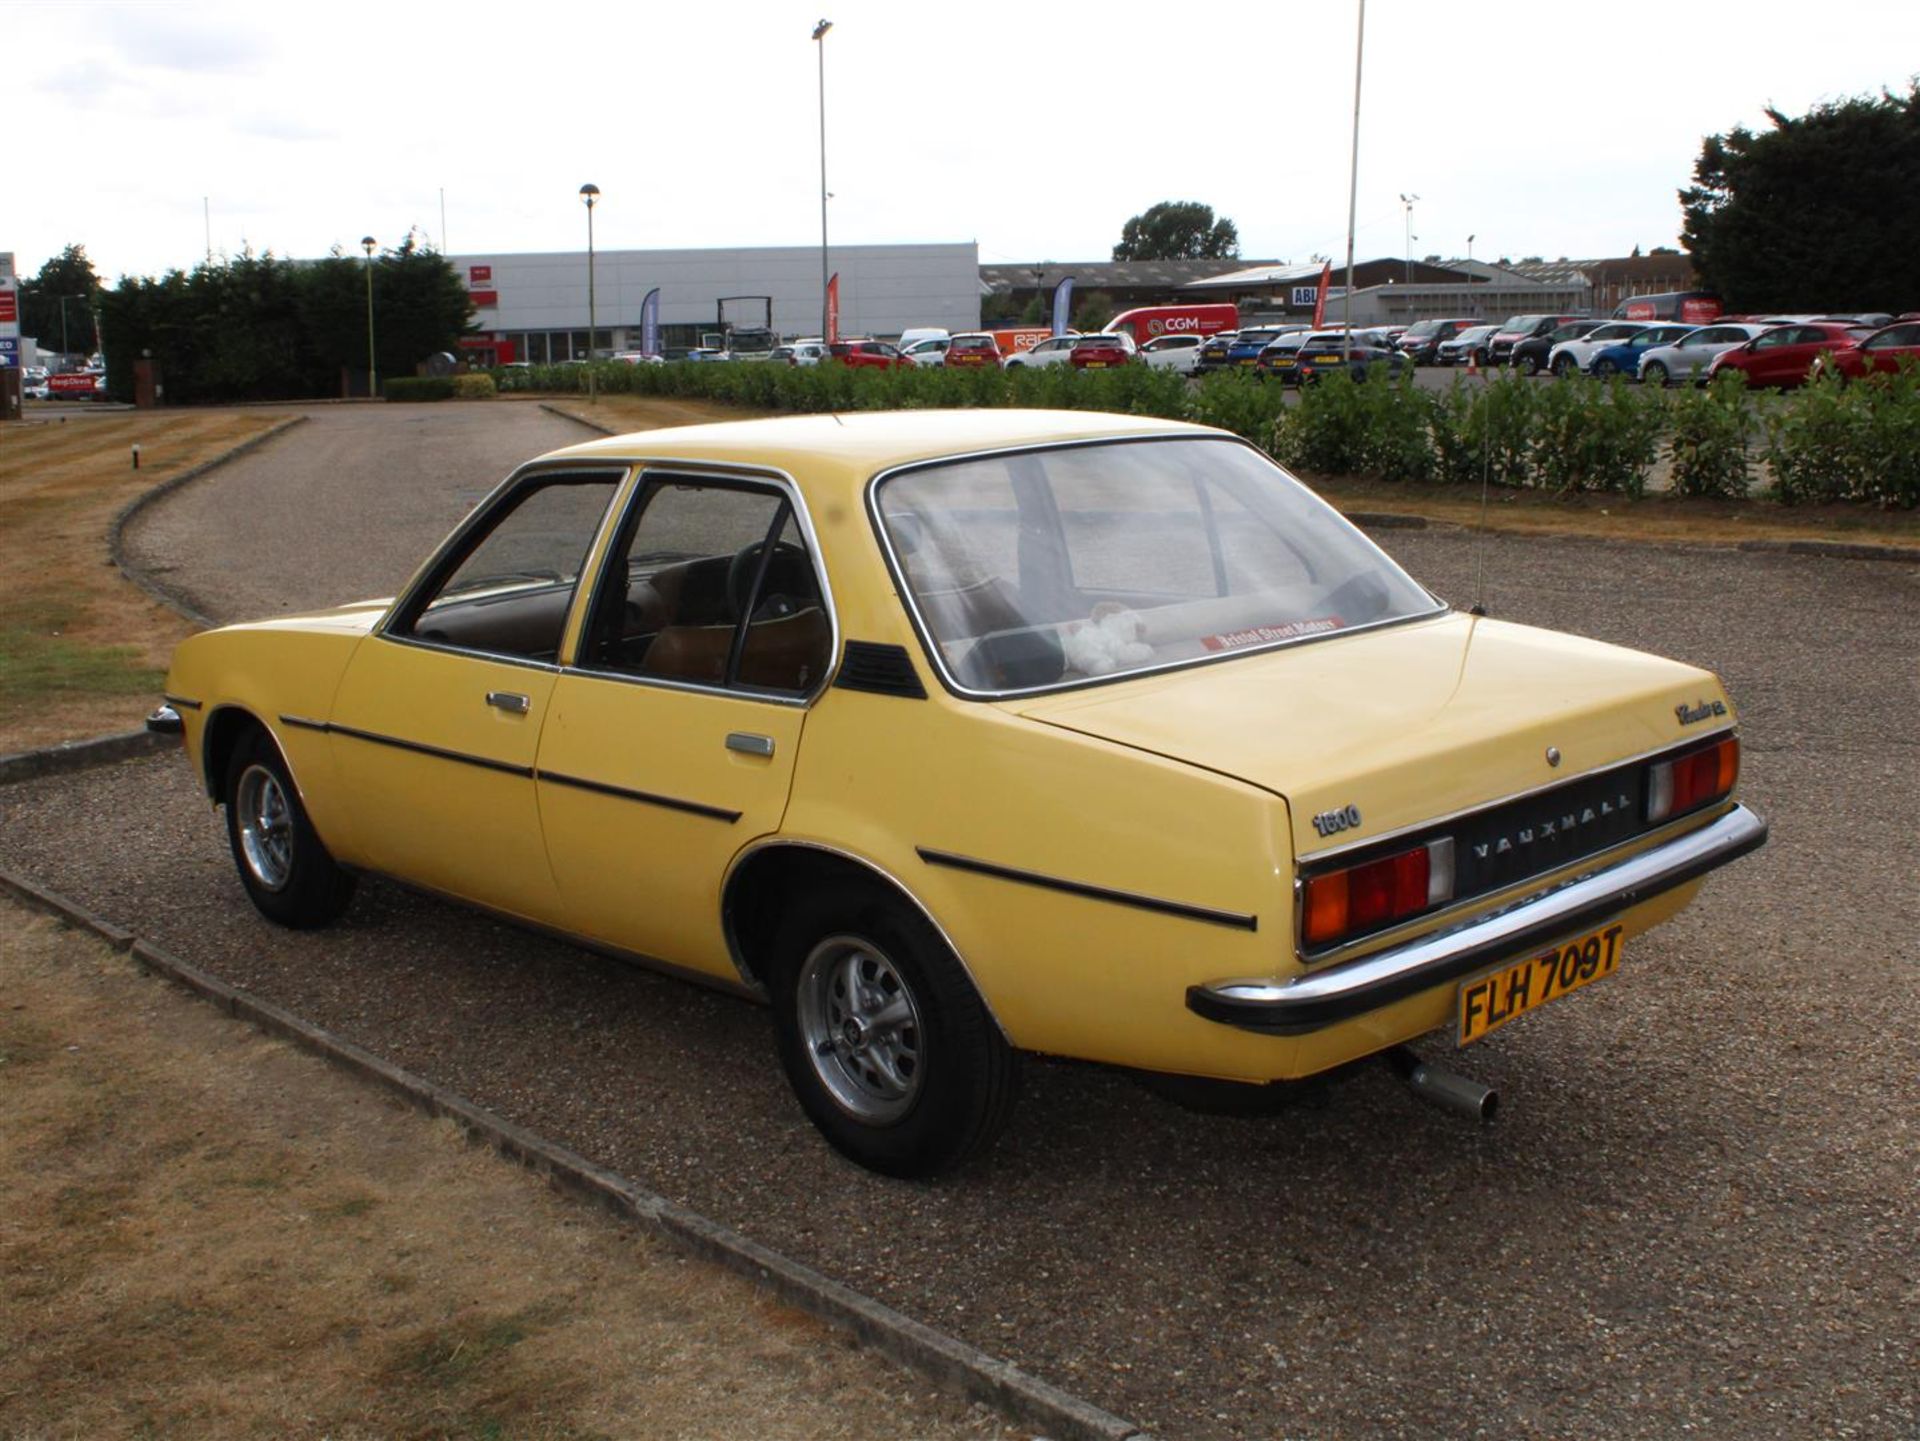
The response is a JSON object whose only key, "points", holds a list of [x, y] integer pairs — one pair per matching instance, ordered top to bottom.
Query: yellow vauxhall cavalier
{"points": [[962, 734]]}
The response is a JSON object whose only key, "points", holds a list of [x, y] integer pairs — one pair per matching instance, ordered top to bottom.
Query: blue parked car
{"points": [[1244, 353], [1622, 357]]}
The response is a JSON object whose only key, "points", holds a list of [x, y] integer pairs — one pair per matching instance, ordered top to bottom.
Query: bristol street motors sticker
{"points": [[1268, 634]]}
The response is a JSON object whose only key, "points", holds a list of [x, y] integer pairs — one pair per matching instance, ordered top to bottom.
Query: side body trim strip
{"points": [[693, 808], [1233, 919]]}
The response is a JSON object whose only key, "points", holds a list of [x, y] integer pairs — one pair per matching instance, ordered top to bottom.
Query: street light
{"points": [[820, 38], [590, 193], [1407, 201], [1470, 240], [367, 243], [65, 348]]}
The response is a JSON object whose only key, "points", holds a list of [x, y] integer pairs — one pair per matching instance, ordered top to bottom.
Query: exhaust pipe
{"points": [[1447, 1089]]}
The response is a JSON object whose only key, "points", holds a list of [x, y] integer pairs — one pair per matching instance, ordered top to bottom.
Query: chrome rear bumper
{"points": [[1339, 993]]}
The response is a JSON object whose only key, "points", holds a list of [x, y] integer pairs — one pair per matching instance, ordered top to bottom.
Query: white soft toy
{"points": [[1115, 637]]}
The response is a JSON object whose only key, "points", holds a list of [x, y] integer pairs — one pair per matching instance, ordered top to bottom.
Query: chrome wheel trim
{"points": [[264, 821], [860, 1026]]}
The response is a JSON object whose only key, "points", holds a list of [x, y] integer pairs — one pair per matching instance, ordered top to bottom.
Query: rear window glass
{"points": [[1050, 569]]}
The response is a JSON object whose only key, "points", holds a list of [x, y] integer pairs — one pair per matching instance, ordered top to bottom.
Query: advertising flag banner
{"points": [[1320, 300], [1062, 305], [833, 309], [650, 323]]}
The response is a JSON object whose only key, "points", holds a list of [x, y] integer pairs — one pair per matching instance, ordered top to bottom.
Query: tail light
{"points": [[1696, 779], [1377, 893]]}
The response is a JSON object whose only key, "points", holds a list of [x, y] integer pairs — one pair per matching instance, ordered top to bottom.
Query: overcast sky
{"points": [[1034, 129]]}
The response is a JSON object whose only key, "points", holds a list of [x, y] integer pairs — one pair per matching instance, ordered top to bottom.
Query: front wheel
{"points": [[1528, 364], [1563, 366], [1654, 374], [286, 870], [887, 1045]]}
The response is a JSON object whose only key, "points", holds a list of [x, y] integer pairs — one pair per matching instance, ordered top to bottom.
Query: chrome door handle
{"points": [[507, 700], [749, 744]]}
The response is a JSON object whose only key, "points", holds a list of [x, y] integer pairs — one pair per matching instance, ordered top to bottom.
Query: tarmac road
{"points": [[1697, 1214]]}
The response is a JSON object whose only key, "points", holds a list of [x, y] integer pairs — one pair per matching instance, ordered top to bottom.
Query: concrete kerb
{"points": [[593, 425], [116, 533], [81, 755], [945, 1360]]}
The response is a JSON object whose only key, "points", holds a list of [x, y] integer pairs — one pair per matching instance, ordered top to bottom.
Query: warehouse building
{"points": [[534, 307]]}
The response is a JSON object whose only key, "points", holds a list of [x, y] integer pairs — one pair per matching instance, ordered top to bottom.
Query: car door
{"points": [[1782, 356], [436, 721], [672, 737]]}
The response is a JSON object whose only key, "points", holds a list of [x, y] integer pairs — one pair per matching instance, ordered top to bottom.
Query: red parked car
{"points": [[973, 349], [1887, 349], [1105, 351], [873, 353], [1784, 355]]}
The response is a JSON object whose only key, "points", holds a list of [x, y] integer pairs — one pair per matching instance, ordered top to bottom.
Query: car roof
{"points": [[832, 455]]}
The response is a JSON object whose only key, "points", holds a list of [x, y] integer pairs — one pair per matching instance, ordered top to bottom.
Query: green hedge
{"points": [[418, 387], [1858, 442]]}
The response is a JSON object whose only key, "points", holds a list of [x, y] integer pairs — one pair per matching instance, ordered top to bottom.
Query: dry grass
{"points": [[81, 651], [206, 1233]]}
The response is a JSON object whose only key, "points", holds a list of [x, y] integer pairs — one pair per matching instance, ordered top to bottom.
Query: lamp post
{"points": [[820, 39], [1353, 183], [590, 193], [1407, 202], [1470, 240], [367, 242]]}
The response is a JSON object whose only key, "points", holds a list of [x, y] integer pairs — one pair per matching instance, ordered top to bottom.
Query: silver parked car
{"points": [[1686, 359]]}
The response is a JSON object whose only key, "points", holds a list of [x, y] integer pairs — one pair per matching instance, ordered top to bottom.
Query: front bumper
{"points": [[1325, 998]]}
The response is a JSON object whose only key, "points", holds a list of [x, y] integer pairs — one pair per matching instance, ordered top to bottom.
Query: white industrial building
{"points": [[539, 302]]}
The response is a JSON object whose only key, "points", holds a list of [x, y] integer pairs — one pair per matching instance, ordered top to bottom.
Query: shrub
{"points": [[418, 387], [473, 387], [1243, 404], [1381, 428], [1486, 430], [1590, 435], [1707, 439], [1814, 443], [1888, 472]]}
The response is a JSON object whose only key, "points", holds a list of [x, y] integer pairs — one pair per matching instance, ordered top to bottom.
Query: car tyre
{"points": [[1528, 364], [1563, 366], [1604, 369], [1654, 374], [286, 870], [888, 1047]]}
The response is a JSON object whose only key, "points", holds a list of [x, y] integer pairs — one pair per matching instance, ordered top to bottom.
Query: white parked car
{"points": [[1054, 350], [931, 351], [799, 352], [1173, 352], [1571, 355], [1687, 358]]}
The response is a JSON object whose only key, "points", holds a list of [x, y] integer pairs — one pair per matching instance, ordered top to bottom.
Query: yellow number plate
{"points": [[1096, 365], [1490, 1002]]}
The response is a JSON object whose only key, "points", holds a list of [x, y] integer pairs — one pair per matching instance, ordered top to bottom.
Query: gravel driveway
{"points": [[1698, 1212]]}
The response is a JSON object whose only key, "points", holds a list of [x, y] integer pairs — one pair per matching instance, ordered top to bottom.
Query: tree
{"points": [[1817, 213], [1178, 230], [56, 306]]}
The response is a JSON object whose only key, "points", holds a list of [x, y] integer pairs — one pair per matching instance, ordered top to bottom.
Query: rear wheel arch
{"points": [[765, 884]]}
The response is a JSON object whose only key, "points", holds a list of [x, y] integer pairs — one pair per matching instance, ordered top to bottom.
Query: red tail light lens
{"points": [[1697, 779], [1377, 893]]}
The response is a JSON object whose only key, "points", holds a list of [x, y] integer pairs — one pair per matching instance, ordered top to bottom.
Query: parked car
{"points": [[1518, 328], [914, 334], [1249, 341], [1420, 342], [1473, 344], [972, 349], [1886, 349], [1054, 350], [931, 351], [1103, 351], [800, 352], [1172, 352], [1213, 352], [704, 354], [867, 354], [1784, 355], [1324, 356], [1570, 356], [639, 357], [1280, 357], [1529, 357], [1622, 357], [1687, 358], [950, 734]]}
